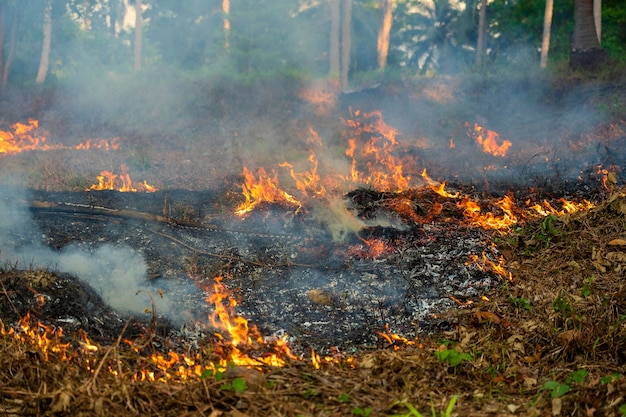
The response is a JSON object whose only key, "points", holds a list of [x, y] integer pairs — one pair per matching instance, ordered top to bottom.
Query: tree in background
{"points": [[431, 37], [545, 42], [480, 43], [382, 44], [586, 52], [5, 62], [44, 62]]}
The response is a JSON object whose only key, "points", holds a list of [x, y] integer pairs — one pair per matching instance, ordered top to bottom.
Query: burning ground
{"points": [[371, 264]]}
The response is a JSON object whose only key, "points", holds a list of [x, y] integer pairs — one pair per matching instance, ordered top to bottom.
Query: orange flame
{"points": [[28, 137], [488, 139], [107, 180], [263, 189]]}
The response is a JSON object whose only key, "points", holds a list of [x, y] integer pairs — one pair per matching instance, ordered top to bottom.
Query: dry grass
{"points": [[551, 341]]}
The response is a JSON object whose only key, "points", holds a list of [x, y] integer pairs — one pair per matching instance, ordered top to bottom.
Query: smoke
{"points": [[119, 274]]}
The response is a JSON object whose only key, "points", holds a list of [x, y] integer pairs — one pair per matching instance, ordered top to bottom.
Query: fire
{"points": [[28, 137], [488, 139], [383, 171], [107, 180], [308, 180], [439, 188], [264, 189], [568, 207], [472, 211], [484, 263], [241, 336], [45, 338], [398, 342]]}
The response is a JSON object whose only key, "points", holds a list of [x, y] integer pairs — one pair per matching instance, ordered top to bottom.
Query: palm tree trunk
{"points": [[226, 11], [597, 18], [482, 23], [547, 23], [383, 33], [585, 36], [11, 54], [44, 62]]}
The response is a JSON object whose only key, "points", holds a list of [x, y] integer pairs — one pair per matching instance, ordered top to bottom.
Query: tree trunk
{"points": [[226, 11], [597, 18], [3, 20], [547, 23], [383, 33], [138, 34], [585, 36], [47, 40], [334, 40], [346, 43], [480, 44], [585, 53], [11, 54]]}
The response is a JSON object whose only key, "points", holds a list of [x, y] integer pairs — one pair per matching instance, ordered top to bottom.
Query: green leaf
{"points": [[207, 373], [579, 376], [239, 385], [344, 398]]}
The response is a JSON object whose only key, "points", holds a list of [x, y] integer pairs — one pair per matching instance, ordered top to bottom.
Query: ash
{"points": [[285, 270]]}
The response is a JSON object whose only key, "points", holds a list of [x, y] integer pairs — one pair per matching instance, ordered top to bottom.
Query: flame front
{"points": [[29, 137], [107, 180], [265, 188]]}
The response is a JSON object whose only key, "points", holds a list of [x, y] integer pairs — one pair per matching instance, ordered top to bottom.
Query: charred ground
{"points": [[563, 311]]}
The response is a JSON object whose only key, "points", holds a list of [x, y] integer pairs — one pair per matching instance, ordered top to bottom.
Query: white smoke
{"points": [[119, 274]]}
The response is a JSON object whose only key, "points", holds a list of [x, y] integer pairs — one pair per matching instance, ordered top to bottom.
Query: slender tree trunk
{"points": [[226, 11], [597, 18], [482, 22], [3, 24], [547, 24], [383, 33], [138, 34], [334, 39], [346, 43], [11, 54], [44, 62]]}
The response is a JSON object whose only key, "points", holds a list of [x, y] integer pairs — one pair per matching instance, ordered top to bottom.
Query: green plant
{"points": [[548, 230], [586, 289], [520, 302], [561, 305], [452, 357], [610, 378], [238, 385], [558, 389], [309, 393], [344, 398], [365, 412], [414, 413]]}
